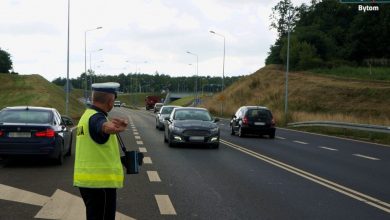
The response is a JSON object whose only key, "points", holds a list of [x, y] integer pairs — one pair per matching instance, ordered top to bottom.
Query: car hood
{"points": [[195, 124]]}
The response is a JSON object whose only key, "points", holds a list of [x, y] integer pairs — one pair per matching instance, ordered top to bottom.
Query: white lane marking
{"points": [[222, 124], [135, 133], [137, 137], [281, 138], [140, 142], [300, 142], [328, 148], [142, 149], [366, 157], [147, 160], [153, 176], [18, 195], [165, 205]]}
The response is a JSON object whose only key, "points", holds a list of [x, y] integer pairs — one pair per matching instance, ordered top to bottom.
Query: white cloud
{"points": [[159, 32]]}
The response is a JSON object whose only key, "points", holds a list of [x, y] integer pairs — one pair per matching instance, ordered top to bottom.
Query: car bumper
{"points": [[258, 130], [194, 140], [50, 149]]}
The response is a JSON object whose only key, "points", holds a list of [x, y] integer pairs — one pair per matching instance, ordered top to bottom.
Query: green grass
{"points": [[375, 73], [34, 90], [186, 101]]}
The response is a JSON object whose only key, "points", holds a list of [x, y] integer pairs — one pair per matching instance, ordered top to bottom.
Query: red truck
{"points": [[150, 101]]}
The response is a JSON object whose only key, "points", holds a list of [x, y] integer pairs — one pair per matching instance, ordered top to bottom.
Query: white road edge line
{"points": [[300, 142], [328, 148], [366, 157], [153, 176], [165, 205]]}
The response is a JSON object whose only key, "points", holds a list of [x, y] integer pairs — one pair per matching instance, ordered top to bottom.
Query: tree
{"points": [[284, 13], [5, 61]]}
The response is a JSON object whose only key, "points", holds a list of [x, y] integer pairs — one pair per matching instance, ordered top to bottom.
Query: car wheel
{"points": [[157, 127], [232, 131], [240, 132], [272, 135], [165, 138], [170, 143], [215, 146], [69, 153], [60, 159]]}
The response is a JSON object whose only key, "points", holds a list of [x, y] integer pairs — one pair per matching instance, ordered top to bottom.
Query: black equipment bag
{"points": [[131, 160]]}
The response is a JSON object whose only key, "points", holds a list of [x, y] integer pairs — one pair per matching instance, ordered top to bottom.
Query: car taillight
{"points": [[245, 120], [273, 122], [1, 133], [48, 133]]}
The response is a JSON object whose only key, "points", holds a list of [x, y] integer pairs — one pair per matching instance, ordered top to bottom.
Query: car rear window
{"points": [[259, 114], [26, 116]]}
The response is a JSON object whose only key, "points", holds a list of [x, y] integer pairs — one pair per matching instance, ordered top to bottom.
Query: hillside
{"points": [[34, 90], [311, 97]]}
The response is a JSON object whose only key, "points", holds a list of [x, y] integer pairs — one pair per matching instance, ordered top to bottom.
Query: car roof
{"points": [[172, 106], [30, 107], [255, 107], [191, 108]]}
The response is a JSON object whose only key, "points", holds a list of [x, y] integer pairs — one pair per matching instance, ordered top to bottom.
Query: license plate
{"points": [[259, 123], [19, 134], [196, 138]]}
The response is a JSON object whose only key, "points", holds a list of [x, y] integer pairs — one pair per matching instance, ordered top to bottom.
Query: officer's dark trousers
{"points": [[100, 204]]}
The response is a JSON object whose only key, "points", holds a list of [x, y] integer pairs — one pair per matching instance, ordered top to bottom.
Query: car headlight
{"points": [[214, 130]]}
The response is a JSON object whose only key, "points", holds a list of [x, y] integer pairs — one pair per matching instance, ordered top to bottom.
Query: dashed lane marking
{"points": [[135, 133], [137, 137], [281, 138], [140, 142], [300, 142], [328, 148], [142, 149], [366, 157], [147, 160], [153, 176], [165, 205]]}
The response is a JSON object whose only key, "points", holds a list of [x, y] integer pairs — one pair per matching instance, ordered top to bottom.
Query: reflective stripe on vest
{"points": [[96, 165]]}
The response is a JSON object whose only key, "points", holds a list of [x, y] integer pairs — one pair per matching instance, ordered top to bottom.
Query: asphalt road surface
{"points": [[297, 175]]}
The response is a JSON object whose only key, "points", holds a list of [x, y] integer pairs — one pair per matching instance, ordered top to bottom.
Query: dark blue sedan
{"points": [[35, 131]]}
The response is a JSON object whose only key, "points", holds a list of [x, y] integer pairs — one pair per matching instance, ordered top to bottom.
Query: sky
{"points": [[137, 36]]}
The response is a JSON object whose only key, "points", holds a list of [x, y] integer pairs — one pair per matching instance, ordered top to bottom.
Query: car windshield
{"points": [[167, 110], [192, 114], [259, 114], [26, 116]]}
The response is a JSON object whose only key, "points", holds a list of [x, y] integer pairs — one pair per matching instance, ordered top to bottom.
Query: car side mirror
{"points": [[167, 119], [216, 119]]}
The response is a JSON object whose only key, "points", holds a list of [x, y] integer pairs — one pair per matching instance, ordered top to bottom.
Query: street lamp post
{"points": [[85, 59], [223, 63], [287, 65], [67, 67], [196, 80]]}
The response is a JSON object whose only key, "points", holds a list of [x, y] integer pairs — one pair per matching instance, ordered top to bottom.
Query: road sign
{"points": [[364, 1]]}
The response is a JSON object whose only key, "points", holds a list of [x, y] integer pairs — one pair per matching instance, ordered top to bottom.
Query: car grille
{"points": [[196, 133]]}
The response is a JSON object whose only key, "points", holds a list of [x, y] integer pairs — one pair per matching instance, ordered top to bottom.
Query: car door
{"points": [[235, 119], [66, 125]]}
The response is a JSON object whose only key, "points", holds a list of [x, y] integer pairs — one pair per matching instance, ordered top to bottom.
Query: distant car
{"points": [[117, 103], [157, 107], [164, 112], [253, 120], [189, 125], [35, 131]]}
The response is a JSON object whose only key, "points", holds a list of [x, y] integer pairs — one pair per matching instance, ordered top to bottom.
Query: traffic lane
{"points": [[346, 145], [365, 176], [224, 183]]}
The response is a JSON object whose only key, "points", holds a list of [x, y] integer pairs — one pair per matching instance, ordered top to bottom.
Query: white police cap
{"points": [[108, 87]]}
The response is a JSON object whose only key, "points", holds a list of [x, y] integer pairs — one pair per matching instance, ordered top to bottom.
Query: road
{"points": [[295, 176]]}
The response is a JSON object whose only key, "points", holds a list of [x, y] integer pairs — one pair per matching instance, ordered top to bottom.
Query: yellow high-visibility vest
{"points": [[96, 165]]}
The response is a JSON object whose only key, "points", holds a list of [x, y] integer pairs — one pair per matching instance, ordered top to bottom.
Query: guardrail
{"points": [[364, 127]]}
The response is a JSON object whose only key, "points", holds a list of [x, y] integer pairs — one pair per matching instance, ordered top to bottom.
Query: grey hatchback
{"points": [[253, 120]]}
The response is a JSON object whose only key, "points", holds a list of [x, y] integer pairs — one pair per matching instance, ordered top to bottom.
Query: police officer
{"points": [[98, 170]]}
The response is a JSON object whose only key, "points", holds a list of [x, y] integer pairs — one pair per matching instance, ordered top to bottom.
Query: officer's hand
{"points": [[120, 122], [111, 127]]}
